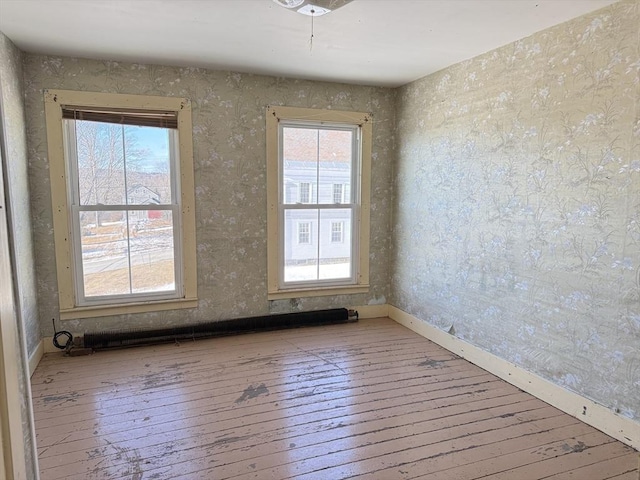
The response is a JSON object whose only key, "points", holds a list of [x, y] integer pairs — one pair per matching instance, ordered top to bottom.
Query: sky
{"points": [[156, 142]]}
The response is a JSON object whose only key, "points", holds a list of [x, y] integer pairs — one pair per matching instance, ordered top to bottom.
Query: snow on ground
{"points": [[297, 273]]}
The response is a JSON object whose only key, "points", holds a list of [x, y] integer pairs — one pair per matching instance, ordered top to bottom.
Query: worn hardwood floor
{"points": [[371, 400]]}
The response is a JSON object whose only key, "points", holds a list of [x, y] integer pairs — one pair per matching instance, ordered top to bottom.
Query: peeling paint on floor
{"points": [[253, 392]]}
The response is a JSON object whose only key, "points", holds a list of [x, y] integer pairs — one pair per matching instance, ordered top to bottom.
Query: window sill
{"points": [[317, 292], [121, 308]]}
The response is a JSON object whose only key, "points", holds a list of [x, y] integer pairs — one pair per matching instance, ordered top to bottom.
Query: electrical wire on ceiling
{"points": [[312, 8], [311, 38]]}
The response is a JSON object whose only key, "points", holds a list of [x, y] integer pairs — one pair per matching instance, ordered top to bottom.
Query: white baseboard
{"points": [[372, 311], [49, 347], [35, 357], [590, 412]]}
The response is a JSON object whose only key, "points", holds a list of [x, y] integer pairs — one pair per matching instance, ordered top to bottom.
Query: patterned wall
{"points": [[230, 170], [17, 182], [517, 196], [517, 204]]}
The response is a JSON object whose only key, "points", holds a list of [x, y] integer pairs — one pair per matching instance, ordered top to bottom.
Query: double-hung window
{"points": [[122, 188], [318, 245]]}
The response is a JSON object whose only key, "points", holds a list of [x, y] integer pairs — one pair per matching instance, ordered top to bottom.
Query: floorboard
{"points": [[370, 400]]}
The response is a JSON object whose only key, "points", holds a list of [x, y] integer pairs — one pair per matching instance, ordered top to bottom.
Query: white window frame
{"points": [[361, 123], [75, 210], [301, 225], [339, 231], [67, 232]]}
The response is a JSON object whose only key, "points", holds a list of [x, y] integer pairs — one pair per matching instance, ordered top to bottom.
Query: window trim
{"points": [[54, 102], [275, 114]]}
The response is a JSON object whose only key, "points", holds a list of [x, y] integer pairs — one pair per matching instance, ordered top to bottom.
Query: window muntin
{"points": [[134, 208]]}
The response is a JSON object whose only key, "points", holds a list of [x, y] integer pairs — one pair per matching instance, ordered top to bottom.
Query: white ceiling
{"points": [[369, 42]]}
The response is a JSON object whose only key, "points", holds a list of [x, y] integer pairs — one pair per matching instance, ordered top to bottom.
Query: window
{"points": [[121, 170], [305, 192], [338, 193], [304, 232], [336, 232], [318, 245]]}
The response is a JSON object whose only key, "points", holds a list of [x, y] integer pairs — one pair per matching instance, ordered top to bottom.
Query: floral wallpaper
{"points": [[14, 168], [230, 170], [18, 183], [505, 196], [517, 204]]}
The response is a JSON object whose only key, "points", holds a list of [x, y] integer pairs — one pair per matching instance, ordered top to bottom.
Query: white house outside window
{"points": [[326, 153], [127, 176]]}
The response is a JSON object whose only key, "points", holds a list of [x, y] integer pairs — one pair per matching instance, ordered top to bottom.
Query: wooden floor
{"points": [[371, 400]]}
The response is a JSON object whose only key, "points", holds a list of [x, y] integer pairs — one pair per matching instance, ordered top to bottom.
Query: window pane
{"points": [[100, 152], [107, 152], [148, 165], [300, 165], [316, 165], [334, 166], [317, 244], [151, 245], [105, 253], [120, 257], [300, 257], [335, 257]]}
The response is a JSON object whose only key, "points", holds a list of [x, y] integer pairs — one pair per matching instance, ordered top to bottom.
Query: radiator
{"points": [[132, 337]]}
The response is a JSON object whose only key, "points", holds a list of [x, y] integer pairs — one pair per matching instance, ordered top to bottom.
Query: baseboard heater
{"points": [[133, 337]]}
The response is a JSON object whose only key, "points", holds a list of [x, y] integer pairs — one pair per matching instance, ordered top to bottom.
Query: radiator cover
{"points": [[132, 337]]}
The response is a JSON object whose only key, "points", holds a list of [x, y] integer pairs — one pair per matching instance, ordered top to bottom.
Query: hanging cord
{"points": [[313, 12], [61, 333]]}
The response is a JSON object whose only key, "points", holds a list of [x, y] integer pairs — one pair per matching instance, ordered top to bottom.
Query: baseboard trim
{"points": [[372, 311], [45, 346], [49, 347], [35, 357], [588, 411]]}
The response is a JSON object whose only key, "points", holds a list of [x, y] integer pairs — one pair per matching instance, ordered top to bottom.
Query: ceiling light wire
{"points": [[311, 38]]}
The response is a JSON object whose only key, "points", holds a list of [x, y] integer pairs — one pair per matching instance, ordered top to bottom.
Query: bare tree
{"points": [[106, 152]]}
